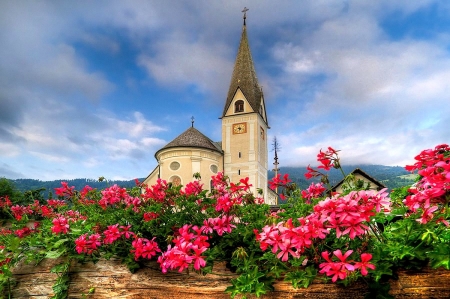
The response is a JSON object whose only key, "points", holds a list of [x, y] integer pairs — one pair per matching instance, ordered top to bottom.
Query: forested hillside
{"points": [[391, 176], [30, 184]]}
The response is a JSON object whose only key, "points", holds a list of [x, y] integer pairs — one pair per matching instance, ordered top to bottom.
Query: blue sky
{"points": [[94, 88]]}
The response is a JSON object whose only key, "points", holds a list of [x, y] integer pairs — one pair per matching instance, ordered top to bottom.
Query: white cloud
{"points": [[176, 61]]}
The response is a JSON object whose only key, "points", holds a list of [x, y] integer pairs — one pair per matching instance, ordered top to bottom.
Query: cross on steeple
{"points": [[245, 13], [192, 121]]}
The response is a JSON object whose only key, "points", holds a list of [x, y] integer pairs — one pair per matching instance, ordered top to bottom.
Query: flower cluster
{"points": [[328, 159], [313, 191], [431, 194], [347, 215], [340, 236], [88, 243], [190, 243], [144, 248], [341, 268]]}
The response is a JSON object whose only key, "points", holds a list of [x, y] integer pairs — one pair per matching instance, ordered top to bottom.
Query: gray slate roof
{"points": [[193, 138]]}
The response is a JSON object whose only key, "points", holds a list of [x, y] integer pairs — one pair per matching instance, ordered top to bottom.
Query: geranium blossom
{"points": [[278, 181], [65, 190], [313, 191], [156, 192], [428, 197], [60, 225], [111, 234], [190, 243], [85, 244], [144, 248], [364, 264], [338, 269]]}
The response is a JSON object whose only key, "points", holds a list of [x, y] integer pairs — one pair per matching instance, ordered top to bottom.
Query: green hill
{"points": [[391, 176]]}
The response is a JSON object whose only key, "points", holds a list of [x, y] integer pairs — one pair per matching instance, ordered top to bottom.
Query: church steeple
{"points": [[244, 77]]}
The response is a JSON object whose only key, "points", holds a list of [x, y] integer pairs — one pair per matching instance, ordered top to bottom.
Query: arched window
{"points": [[239, 106], [175, 180]]}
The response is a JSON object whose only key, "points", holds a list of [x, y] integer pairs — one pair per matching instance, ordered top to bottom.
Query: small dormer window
{"points": [[239, 106]]}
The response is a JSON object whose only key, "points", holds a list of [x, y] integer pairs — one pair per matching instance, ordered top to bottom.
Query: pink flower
{"points": [[328, 159], [278, 182], [192, 188], [65, 190], [313, 191], [156, 192], [113, 195], [19, 211], [427, 214], [222, 224], [60, 225], [126, 231], [22, 233], [111, 234], [81, 244], [144, 248], [343, 258], [199, 260], [364, 264], [336, 269]]}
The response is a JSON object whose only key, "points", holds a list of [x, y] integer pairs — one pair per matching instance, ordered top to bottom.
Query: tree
{"points": [[7, 188]]}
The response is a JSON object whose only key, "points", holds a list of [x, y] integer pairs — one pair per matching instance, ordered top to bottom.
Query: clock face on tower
{"points": [[239, 128]]}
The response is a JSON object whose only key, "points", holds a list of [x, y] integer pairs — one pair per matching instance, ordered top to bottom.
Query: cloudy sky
{"points": [[94, 88]]}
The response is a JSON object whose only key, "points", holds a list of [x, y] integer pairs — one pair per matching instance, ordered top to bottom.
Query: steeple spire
{"points": [[245, 13], [244, 75]]}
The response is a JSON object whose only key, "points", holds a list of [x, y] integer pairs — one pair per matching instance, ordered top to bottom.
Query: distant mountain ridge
{"points": [[391, 176], [32, 184]]}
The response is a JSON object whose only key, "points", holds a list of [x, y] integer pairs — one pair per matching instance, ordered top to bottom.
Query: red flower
{"points": [[328, 159], [311, 173], [192, 188], [65, 190], [313, 191], [156, 192], [5, 202], [150, 216], [60, 225], [126, 231], [22, 233], [111, 234], [87, 245], [144, 248], [364, 264], [336, 269]]}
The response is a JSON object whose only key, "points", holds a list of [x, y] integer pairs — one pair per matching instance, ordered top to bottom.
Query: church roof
{"points": [[244, 76], [192, 138]]}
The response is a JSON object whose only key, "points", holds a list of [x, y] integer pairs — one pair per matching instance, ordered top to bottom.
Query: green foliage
{"points": [[393, 237]]}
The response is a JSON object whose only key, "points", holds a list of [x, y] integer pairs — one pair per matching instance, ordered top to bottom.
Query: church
{"points": [[243, 150]]}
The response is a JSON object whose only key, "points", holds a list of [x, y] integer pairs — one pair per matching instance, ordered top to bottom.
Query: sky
{"points": [[95, 88]]}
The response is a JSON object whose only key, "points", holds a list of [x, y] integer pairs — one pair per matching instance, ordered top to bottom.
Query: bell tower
{"points": [[244, 122]]}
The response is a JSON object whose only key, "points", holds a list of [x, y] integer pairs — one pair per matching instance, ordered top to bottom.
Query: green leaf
{"points": [[59, 243], [55, 253], [440, 256]]}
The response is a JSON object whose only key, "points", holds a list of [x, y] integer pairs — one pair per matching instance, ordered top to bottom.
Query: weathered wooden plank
{"points": [[110, 279]]}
